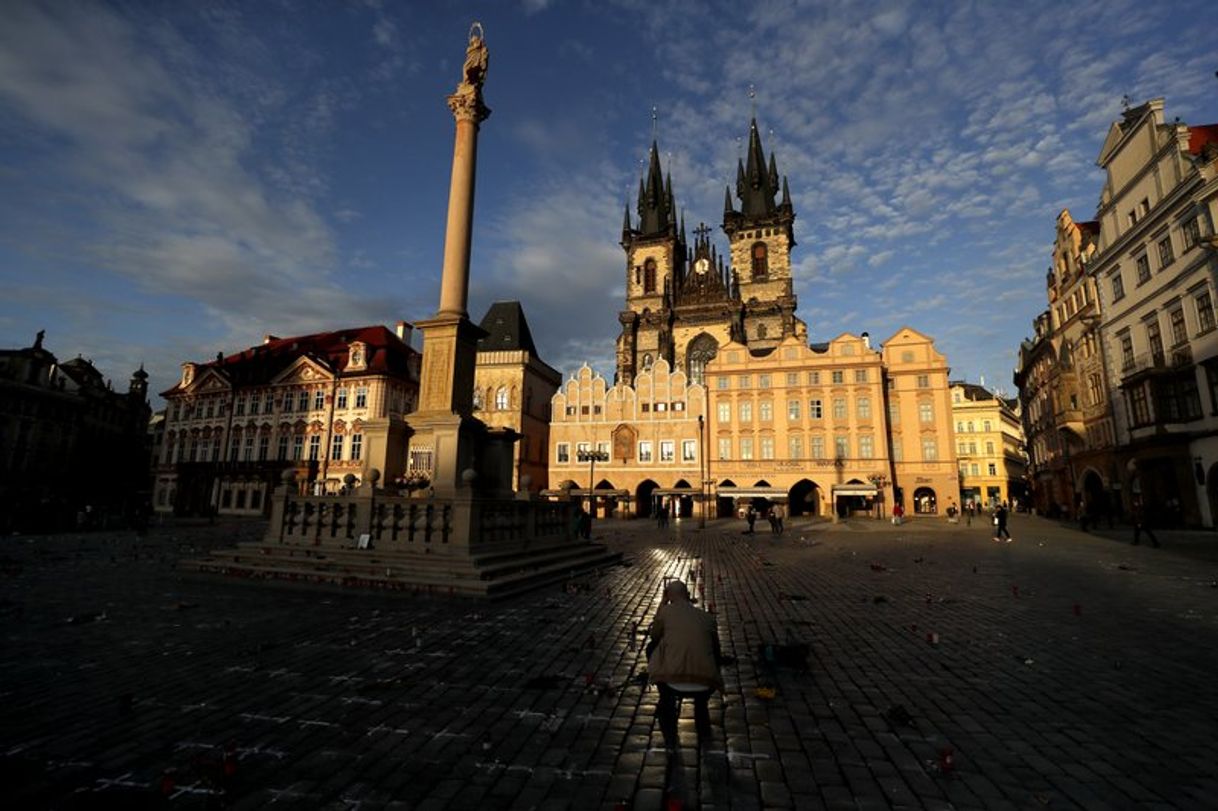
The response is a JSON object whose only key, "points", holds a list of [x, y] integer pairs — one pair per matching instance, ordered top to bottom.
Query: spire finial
{"points": [[753, 99], [655, 114]]}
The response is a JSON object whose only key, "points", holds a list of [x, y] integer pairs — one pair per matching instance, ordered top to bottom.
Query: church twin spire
{"points": [[757, 186]]}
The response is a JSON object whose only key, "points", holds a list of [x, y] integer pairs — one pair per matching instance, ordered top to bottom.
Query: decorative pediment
{"points": [[1115, 136], [357, 356], [303, 370], [203, 380]]}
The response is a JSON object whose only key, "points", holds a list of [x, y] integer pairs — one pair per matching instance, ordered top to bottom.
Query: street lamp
{"points": [[592, 457], [702, 470]]}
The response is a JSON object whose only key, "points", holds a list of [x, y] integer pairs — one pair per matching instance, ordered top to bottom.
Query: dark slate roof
{"points": [[506, 328], [258, 365], [972, 391]]}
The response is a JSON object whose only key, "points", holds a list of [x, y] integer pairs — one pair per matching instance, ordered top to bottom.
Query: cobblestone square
{"points": [[943, 670]]}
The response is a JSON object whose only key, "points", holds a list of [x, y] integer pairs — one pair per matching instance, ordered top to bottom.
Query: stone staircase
{"points": [[500, 573]]}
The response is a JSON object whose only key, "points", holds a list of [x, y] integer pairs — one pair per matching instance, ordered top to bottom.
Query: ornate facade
{"points": [[326, 405], [989, 446]]}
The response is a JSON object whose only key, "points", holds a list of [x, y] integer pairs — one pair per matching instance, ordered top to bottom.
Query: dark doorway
{"points": [[804, 498], [643, 506]]}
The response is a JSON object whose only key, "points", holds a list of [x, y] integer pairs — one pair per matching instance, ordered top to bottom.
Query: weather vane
{"points": [[753, 99], [655, 114]]}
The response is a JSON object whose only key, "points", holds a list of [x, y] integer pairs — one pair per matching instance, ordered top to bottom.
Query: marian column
{"points": [[464, 453]]}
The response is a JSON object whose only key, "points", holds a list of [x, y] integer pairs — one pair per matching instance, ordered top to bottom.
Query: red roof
{"points": [[1198, 137], [258, 365]]}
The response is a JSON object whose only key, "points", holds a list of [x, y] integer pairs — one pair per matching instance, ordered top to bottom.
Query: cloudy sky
{"points": [[178, 179]]}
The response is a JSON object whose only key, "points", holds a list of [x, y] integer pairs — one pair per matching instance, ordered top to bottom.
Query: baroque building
{"points": [[512, 389], [719, 396], [326, 405], [73, 451]]}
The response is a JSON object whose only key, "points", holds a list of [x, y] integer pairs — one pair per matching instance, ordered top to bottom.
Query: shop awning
{"points": [[868, 490], [675, 491], [579, 492], [753, 492]]}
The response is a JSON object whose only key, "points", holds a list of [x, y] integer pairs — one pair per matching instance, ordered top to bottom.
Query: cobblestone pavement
{"points": [[1070, 671]]}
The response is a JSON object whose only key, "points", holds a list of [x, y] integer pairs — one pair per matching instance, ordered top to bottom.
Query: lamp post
{"points": [[592, 457], [702, 471]]}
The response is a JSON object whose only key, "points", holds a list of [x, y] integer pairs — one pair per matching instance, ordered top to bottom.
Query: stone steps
{"points": [[495, 575]]}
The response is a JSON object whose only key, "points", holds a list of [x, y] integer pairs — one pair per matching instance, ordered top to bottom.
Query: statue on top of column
{"points": [[466, 102]]}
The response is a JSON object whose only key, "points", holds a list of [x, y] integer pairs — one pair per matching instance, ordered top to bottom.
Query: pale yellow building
{"points": [[512, 389], [989, 446]]}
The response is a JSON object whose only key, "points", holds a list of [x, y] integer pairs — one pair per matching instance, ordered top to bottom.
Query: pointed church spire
{"points": [[773, 171], [760, 182], [786, 193], [655, 198], [727, 202]]}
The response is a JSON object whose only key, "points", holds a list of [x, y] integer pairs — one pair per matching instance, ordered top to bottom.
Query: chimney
{"points": [[404, 330], [266, 339]]}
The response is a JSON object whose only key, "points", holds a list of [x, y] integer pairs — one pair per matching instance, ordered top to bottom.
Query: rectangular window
{"points": [[1192, 232], [1166, 255], [1143, 268], [1118, 286], [1205, 311], [1179, 333], [1154, 340], [1126, 351], [860, 375], [838, 376], [792, 378], [813, 378], [745, 381], [763, 381], [924, 381], [721, 382], [361, 397], [319, 400], [340, 400], [287, 401], [302, 401], [268, 403], [253, 405], [863, 405], [661, 406], [1139, 406], [839, 408], [211, 409], [239, 409], [793, 410], [815, 410], [725, 411], [746, 411], [765, 411], [894, 412], [926, 412], [987, 426], [795, 446], [866, 446], [264, 447], [297, 447], [314, 447], [336, 447], [357, 447], [603, 447], [746, 447], [767, 447], [818, 447], [841, 447], [725, 448], [989, 448], [249, 449], [282, 449], [194, 450], [667, 450], [689, 450], [581, 451], [645, 451], [930, 451], [564, 453], [898, 455], [973, 469], [993, 469]]}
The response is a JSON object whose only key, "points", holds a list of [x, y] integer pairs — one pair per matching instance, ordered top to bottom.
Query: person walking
{"points": [[779, 514], [968, 514], [750, 515], [772, 517], [1000, 524], [1141, 524], [683, 661]]}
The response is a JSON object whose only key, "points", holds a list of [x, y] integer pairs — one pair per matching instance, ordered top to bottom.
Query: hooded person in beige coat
{"points": [[683, 661]]}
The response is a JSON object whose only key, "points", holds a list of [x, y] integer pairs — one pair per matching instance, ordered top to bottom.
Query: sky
{"points": [[179, 179]]}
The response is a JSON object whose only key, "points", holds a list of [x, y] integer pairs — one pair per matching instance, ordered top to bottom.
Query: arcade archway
{"points": [[803, 498], [925, 502], [643, 506]]}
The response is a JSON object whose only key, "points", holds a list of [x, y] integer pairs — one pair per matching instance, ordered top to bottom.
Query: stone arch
{"points": [[700, 351], [643, 498], [804, 498], [1095, 498], [925, 502]]}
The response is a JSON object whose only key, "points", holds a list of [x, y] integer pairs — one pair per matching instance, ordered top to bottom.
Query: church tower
{"points": [[762, 234], [655, 267]]}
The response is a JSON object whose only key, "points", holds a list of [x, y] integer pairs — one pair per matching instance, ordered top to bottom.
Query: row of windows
{"points": [[1190, 232], [1203, 310], [766, 381], [265, 404], [646, 408], [816, 410], [969, 427], [970, 448], [258, 449], [645, 450], [973, 469]]}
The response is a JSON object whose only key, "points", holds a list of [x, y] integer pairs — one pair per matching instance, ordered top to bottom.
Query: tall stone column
{"points": [[443, 423]]}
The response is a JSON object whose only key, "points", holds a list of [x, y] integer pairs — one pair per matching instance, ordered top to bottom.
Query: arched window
{"points": [[761, 264], [649, 276], [700, 351], [646, 361], [477, 399], [501, 399]]}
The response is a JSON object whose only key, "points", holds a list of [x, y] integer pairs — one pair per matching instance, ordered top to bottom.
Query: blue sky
{"points": [[178, 179]]}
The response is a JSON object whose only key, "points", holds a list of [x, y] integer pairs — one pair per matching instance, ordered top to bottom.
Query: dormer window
{"points": [[357, 356], [188, 373]]}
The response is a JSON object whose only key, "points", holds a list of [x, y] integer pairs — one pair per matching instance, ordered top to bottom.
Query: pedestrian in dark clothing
{"points": [[779, 514], [750, 515], [773, 519], [1000, 524], [1141, 524]]}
